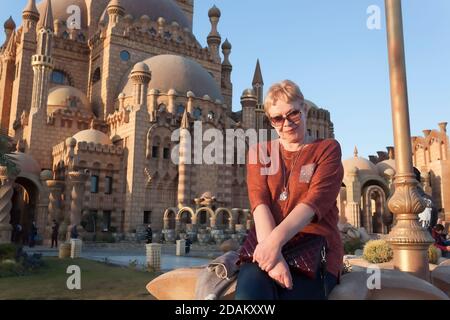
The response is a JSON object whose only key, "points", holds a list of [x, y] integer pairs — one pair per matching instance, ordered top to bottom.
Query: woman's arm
{"points": [[264, 222]]}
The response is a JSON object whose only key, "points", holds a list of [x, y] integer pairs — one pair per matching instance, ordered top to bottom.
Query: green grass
{"points": [[98, 281]]}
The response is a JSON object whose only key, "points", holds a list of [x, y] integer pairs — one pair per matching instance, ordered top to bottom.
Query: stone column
{"points": [[78, 180], [6, 193], [55, 204], [166, 223]]}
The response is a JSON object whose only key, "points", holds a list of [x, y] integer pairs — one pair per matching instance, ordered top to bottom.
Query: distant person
{"points": [[429, 216], [55, 233], [74, 233], [149, 234], [33, 235], [440, 240], [188, 243]]}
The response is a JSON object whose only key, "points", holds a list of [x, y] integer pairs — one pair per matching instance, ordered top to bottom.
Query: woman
{"points": [[299, 196]]}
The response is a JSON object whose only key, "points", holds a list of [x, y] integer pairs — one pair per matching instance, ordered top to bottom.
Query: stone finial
{"points": [[214, 12], [47, 21], [10, 24], [214, 38], [226, 50], [257, 76], [185, 120], [92, 124], [443, 126], [426, 132], [355, 152], [391, 153]]}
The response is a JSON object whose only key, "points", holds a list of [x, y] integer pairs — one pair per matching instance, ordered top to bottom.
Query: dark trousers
{"points": [[55, 241], [256, 284]]}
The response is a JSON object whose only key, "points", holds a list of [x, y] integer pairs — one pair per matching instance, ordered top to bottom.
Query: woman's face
{"points": [[289, 120]]}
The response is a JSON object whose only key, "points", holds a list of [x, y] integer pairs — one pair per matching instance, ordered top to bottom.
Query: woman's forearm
{"points": [[297, 219], [264, 222]]}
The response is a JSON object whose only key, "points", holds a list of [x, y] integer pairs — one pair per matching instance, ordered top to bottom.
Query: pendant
{"points": [[284, 195]]}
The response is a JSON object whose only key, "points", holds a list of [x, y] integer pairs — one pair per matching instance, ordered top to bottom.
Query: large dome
{"points": [[60, 9], [167, 9], [178, 73], [67, 97], [92, 135]]}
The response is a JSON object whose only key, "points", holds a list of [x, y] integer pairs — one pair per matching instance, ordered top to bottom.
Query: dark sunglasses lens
{"points": [[294, 116], [277, 120]]}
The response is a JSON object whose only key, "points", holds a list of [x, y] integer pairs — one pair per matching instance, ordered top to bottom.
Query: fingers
{"points": [[288, 280]]}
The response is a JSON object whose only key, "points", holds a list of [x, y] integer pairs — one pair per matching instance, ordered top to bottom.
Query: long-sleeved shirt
{"points": [[315, 180]]}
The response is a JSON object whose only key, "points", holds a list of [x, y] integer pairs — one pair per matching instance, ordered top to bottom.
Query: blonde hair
{"points": [[286, 90]]}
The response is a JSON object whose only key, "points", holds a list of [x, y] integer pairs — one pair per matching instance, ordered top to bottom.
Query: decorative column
{"points": [[78, 180], [6, 193], [55, 204], [408, 239]]}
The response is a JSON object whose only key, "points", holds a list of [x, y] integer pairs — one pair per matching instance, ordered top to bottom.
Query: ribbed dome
{"points": [[60, 8], [154, 9], [10, 24], [178, 73], [67, 97], [92, 135], [26, 163], [364, 166]]}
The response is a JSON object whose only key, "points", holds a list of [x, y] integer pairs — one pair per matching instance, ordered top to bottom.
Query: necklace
{"points": [[285, 193]]}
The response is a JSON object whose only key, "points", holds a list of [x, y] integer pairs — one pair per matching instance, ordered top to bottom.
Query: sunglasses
{"points": [[294, 116]]}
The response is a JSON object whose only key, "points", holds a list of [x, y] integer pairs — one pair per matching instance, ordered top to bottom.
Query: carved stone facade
{"points": [[104, 98]]}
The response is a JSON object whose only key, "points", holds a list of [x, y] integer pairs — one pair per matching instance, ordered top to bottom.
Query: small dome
{"points": [[115, 3], [214, 12], [10, 24], [226, 45], [141, 67], [178, 73], [248, 93], [67, 97], [92, 135], [26, 163], [384, 165], [364, 166], [46, 175]]}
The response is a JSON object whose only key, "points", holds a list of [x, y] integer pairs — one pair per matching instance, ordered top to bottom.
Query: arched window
{"points": [[96, 76], [60, 77], [162, 107], [180, 109], [197, 113], [211, 115]]}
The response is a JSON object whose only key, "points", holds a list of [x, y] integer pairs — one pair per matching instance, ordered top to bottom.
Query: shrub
{"points": [[352, 245], [9, 251], [377, 251], [433, 254]]}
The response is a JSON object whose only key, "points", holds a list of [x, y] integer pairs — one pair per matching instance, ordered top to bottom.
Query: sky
{"points": [[339, 63]]}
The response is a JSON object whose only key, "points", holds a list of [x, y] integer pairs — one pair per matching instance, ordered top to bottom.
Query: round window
{"points": [[125, 55]]}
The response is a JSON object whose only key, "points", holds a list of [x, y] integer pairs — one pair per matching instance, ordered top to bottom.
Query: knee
{"points": [[254, 284]]}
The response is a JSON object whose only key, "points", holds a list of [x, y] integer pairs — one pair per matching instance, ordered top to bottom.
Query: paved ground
{"points": [[129, 253]]}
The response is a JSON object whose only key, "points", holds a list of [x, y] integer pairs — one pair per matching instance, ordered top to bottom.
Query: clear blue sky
{"points": [[325, 46]]}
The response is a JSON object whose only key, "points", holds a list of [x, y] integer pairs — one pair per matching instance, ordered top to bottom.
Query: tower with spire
{"points": [[42, 63], [8, 64]]}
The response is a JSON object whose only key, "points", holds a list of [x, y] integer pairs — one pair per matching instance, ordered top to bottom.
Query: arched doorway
{"points": [[24, 208], [374, 208], [223, 218]]}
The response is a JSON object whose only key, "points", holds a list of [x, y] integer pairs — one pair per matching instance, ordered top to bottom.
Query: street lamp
{"points": [[408, 239]]}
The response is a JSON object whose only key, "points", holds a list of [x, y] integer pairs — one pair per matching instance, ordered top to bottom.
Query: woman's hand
{"points": [[267, 254], [281, 274]]}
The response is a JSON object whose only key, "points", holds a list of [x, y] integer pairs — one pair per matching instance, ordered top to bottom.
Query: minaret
{"points": [[115, 12], [30, 16], [9, 27], [214, 38], [42, 63], [141, 76], [6, 82], [258, 85], [227, 86], [22, 87], [248, 102], [184, 173]]}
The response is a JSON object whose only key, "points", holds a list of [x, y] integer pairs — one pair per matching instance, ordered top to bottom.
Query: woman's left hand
{"points": [[267, 254]]}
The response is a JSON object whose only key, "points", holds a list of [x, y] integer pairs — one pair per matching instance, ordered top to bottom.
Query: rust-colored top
{"points": [[315, 181]]}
